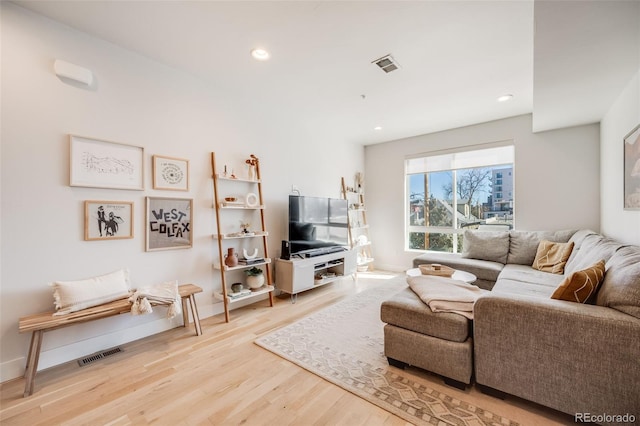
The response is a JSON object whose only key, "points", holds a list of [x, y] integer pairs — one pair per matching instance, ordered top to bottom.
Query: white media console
{"points": [[297, 275]]}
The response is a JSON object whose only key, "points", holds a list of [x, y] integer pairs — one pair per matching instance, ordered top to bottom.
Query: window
{"points": [[436, 214]]}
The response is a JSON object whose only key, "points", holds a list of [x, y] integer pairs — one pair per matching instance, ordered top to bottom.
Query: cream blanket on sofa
{"points": [[445, 294]]}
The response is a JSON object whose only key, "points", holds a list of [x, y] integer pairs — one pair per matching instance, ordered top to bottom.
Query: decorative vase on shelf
{"points": [[252, 172], [231, 259], [255, 278], [254, 282]]}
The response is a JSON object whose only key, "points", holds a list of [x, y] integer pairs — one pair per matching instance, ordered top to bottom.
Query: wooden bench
{"points": [[46, 321]]}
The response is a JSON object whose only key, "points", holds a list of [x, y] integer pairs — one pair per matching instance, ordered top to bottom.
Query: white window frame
{"points": [[459, 159]]}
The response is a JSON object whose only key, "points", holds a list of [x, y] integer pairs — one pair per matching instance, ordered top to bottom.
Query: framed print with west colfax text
{"points": [[168, 223]]}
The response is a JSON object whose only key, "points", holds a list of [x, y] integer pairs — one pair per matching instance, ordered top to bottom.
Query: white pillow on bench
{"points": [[71, 296]]}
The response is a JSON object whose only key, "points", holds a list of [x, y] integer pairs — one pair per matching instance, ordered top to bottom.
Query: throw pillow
{"points": [[486, 245], [551, 257], [581, 285], [71, 296]]}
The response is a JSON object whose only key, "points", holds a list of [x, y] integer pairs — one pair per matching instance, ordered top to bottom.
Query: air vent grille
{"points": [[386, 63], [98, 356]]}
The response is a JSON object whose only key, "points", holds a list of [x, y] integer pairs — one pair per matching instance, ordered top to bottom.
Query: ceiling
{"points": [[456, 57]]}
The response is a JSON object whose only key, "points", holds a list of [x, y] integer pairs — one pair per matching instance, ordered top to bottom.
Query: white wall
{"points": [[140, 102], [620, 119], [557, 175]]}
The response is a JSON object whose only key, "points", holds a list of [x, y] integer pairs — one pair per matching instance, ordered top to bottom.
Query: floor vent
{"points": [[98, 356]]}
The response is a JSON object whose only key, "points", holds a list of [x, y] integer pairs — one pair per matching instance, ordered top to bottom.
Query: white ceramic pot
{"points": [[254, 282]]}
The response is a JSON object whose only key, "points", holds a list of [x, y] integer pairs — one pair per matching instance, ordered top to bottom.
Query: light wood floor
{"points": [[219, 378]]}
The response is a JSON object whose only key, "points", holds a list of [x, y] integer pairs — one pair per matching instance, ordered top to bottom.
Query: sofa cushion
{"points": [[577, 239], [486, 245], [523, 245], [594, 247], [552, 257], [526, 274], [582, 285], [508, 286], [620, 288], [406, 310]]}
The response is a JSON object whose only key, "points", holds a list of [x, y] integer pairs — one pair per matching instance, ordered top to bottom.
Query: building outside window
{"points": [[448, 193]]}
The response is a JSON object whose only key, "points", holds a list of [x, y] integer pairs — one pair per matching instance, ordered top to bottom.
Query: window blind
{"points": [[461, 160]]}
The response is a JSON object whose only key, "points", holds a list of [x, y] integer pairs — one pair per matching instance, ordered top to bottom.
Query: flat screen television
{"points": [[317, 223]]}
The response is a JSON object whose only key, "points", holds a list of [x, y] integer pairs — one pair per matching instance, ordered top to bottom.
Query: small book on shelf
{"points": [[253, 261], [239, 294]]}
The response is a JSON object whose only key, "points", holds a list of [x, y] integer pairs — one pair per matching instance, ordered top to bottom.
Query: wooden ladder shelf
{"points": [[252, 205]]}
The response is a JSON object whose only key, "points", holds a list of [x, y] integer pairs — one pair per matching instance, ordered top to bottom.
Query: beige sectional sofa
{"points": [[573, 357]]}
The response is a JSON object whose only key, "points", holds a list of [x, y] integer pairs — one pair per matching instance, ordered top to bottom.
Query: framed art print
{"points": [[101, 164], [632, 169], [170, 173], [108, 220], [168, 223]]}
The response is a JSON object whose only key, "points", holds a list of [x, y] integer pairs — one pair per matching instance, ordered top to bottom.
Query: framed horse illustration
{"points": [[108, 220]]}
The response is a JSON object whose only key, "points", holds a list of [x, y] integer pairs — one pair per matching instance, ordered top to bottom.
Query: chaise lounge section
{"points": [[412, 331]]}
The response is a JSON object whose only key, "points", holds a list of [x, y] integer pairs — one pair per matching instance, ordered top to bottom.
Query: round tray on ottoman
{"points": [[436, 269]]}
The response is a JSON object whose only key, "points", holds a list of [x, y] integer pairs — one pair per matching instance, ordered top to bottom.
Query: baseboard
{"points": [[70, 352], [53, 356], [13, 369]]}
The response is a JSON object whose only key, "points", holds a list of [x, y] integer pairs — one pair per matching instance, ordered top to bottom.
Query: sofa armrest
{"points": [[572, 357]]}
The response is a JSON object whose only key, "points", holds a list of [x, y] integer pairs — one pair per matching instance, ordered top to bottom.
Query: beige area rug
{"points": [[344, 344]]}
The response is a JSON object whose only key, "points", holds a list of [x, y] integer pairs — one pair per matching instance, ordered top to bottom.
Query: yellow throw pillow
{"points": [[551, 257], [581, 285]]}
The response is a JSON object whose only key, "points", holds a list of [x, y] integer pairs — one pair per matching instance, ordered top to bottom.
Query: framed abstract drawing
{"points": [[100, 164], [632, 169], [170, 173], [108, 220], [168, 223]]}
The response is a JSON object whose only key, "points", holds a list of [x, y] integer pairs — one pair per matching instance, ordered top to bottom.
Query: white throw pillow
{"points": [[71, 296]]}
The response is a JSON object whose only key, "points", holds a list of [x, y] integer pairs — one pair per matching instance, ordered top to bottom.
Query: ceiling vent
{"points": [[386, 63]]}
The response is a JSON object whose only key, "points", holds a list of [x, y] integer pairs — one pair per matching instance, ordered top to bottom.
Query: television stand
{"points": [[294, 276]]}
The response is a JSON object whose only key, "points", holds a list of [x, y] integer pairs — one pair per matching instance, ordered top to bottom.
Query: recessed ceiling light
{"points": [[260, 54], [505, 98], [377, 128]]}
